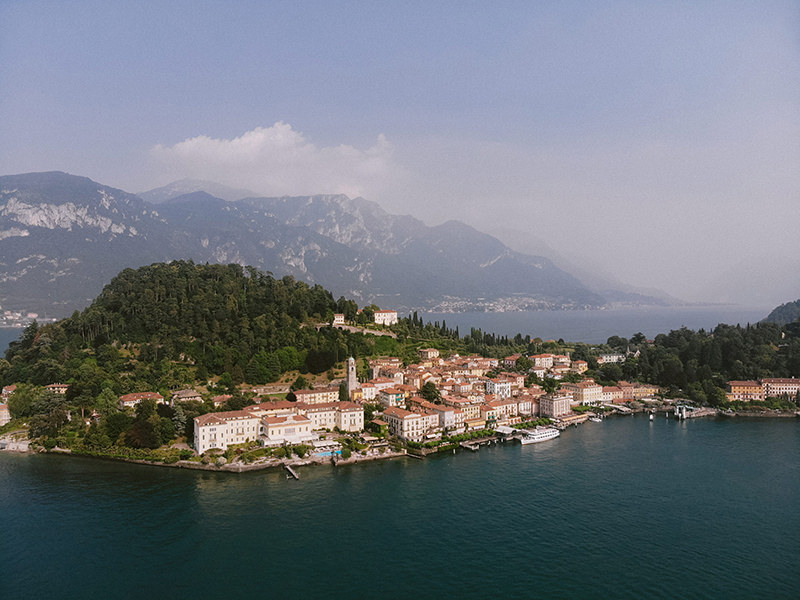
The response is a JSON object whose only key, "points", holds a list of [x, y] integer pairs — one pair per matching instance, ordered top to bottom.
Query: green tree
{"points": [[300, 383], [430, 392], [23, 400], [145, 409], [179, 419], [47, 424], [115, 425], [96, 438]]}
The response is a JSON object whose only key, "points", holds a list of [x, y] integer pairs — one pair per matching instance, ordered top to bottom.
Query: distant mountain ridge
{"points": [[188, 186], [63, 237], [784, 314]]}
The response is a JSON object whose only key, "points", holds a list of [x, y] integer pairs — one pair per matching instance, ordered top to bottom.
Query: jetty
{"points": [[291, 471]]}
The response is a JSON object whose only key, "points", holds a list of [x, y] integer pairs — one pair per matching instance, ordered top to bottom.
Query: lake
{"points": [[596, 326], [626, 508]]}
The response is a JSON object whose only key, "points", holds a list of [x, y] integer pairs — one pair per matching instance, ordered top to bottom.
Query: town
{"points": [[17, 319], [430, 403]]}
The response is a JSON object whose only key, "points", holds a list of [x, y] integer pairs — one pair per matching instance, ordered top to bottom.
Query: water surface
{"points": [[620, 509]]}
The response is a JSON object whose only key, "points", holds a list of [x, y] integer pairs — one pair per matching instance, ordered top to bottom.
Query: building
{"points": [[386, 317], [338, 319], [428, 353], [610, 358], [542, 360], [375, 364], [579, 366], [352, 380], [381, 383], [499, 387], [780, 387], [57, 388], [7, 391], [636, 391], [744, 391], [585, 392], [368, 393], [188, 395], [318, 395], [612, 395], [389, 397], [131, 400], [218, 401], [554, 406], [274, 408], [5, 414], [346, 416], [451, 420], [404, 424], [223, 429], [288, 429]]}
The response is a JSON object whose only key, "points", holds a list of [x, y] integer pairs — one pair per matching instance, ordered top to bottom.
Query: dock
{"points": [[291, 471]]}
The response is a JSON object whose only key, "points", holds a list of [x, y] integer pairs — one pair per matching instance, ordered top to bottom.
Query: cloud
{"points": [[279, 160]]}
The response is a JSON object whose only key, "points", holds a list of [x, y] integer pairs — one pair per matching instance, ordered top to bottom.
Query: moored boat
{"points": [[540, 434]]}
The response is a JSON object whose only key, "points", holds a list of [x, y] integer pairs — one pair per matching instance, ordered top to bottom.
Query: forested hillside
{"points": [[186, 322], [698, 364]]}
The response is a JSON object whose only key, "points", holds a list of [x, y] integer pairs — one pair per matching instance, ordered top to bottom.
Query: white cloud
{"points": [[279, 160]]}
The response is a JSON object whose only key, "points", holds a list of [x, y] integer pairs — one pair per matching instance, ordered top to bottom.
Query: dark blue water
{"points": [[596, 326], [8, 335], [621, 509]]}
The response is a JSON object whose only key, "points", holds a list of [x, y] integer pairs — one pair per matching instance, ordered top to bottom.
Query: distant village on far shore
{"points": [[18, 319]]}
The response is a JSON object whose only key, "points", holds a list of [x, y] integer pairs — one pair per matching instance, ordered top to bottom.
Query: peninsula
{"points": [[226, 367]]}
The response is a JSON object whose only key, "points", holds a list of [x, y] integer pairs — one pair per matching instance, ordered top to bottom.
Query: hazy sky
{"points": [[660, 140]]}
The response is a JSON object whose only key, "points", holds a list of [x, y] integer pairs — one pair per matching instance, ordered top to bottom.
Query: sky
{"points": [[658, 142]]}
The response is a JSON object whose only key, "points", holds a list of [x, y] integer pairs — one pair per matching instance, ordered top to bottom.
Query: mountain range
{"points": [[62, 237]]}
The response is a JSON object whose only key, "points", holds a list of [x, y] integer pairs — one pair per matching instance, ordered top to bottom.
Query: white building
{"points": [[386, 317], [610, 358], [499, 387], [776, 387], [585, 392], [318, 395], [391, 397], [131, 400], [347, 416], [404, 424], [223, 429], [289, 429]]}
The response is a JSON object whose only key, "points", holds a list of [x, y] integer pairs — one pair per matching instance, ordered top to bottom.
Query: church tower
{"points": [[352, 382]]}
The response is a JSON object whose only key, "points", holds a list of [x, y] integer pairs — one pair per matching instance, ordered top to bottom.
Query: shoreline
{"points": [[24, 447], [219, 468]]}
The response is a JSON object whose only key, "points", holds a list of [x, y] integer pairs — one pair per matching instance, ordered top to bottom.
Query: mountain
{"points": [[187, 186], [62, 237], [590, 273], [784, 314]]}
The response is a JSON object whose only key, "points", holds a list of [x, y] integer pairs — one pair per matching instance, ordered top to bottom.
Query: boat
{"points": [[651, 416], [595, 419], [540, 434]]}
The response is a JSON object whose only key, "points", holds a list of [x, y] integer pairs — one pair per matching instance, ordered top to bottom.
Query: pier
{"points": [[291, 471]]}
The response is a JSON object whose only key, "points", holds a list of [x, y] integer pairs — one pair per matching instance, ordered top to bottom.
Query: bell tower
{"points": [[352, 381]]}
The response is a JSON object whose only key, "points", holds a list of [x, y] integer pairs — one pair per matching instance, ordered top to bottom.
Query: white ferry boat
{"points": [[540, 434]]}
